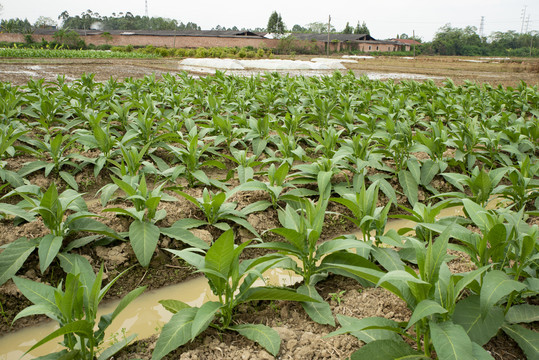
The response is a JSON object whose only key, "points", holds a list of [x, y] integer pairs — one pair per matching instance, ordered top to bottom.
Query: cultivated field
{"points": [[123, 181]]}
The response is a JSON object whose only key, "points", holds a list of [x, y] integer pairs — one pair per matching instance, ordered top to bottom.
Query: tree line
{"points": [[467, 42]]}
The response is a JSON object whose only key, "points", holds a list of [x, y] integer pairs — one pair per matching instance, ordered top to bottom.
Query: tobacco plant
{"points": [[9, 134], [100, 136], [58, 148], [481, 183], [523, 190], [362, 202], [217, 210], [63, 214], [302, 229], [143, 233], [232, 282], [431, 295], [74, 306]]}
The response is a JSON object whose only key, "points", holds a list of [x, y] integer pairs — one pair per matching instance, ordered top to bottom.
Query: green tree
{"points": [[44, 22], [275, 23], [16, 26], [318, 27], [298, 28], [348, 29], [363, 29], [69, 38], [456, 41]]}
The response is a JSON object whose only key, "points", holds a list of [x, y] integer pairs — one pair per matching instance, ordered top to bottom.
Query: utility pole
{"points": [[146, 8], [523, 17], [482, 27], [329, 28], [413, 38]]}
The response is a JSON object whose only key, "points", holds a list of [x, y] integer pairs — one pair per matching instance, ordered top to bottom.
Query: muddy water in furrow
{"points": [[145, 316]]}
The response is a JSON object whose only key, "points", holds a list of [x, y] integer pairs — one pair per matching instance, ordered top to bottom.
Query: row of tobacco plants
{"points": [[373, 150]]}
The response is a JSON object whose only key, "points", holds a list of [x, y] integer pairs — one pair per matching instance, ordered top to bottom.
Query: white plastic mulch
{"points": [[358, 57], [262, 64], [315, 67]]}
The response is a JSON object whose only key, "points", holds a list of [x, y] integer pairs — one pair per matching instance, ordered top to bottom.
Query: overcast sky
{"points": [[384, 18]]}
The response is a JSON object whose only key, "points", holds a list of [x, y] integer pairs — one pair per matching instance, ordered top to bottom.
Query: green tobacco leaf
{"points": [[31, 167], [413, 168], [428, 171], [69, 179], [409, 186], [260, 205], [15, 211], [476, 213], [188, 223], [94, 226], [184, 235], [291, 235], [144, 237], [334, 245], [49, 246], [14, 256], [388, 258], [219, 259], [76, 264], [400, 275], [496, 285], [37, 293], [271, 293], [173, 305], [41, 309], [423, 309], [317, 311], [524, 313], [468, 315], [204, 316], [83, 327], [368, 329], [175, 333], [265, 336], [527, 339], [450, 341], [386, 349], [479, 353]]}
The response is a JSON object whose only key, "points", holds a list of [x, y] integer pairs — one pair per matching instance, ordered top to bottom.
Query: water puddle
{"points": [[145, 316]]}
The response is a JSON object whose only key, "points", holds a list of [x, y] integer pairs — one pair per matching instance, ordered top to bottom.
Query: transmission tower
{"points": [[146, 7], [523, 17], [527, 22], [482, 26]]}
